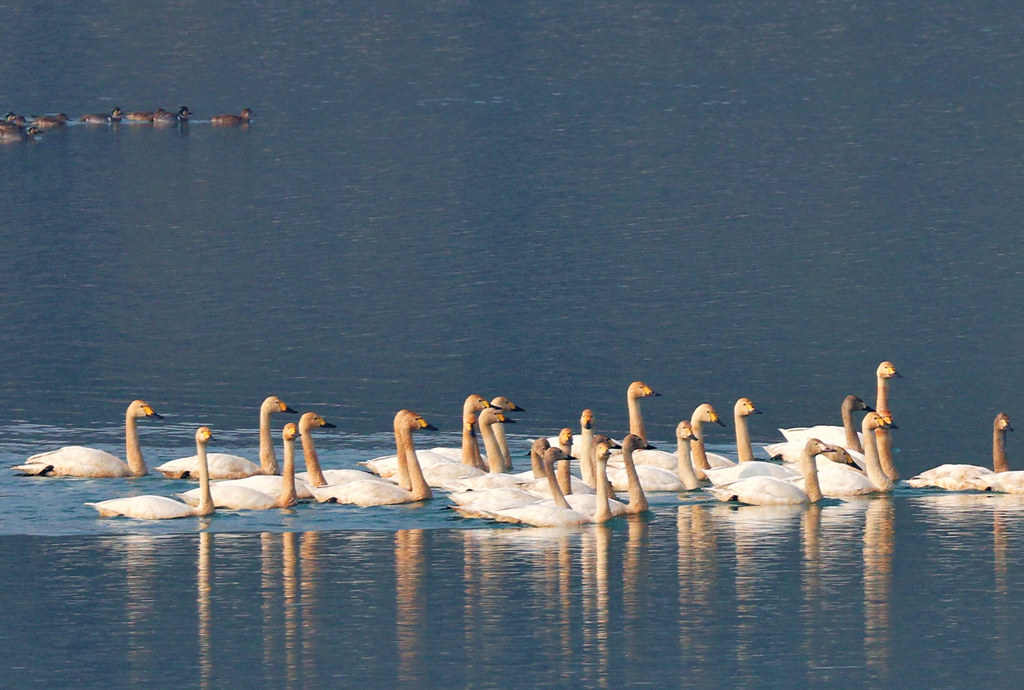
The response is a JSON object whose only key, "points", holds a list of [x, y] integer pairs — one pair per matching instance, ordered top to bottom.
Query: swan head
{"points": [[887, 370], [639, 389], [853, 402], [475, 403], [503, 403], [274, 404], [745, 407], [140, 408], [706, 413], [492, 415], [406, 419], [587, 419], [311, 420], [874, 420], [1002, 422], [290, 431], [684, 431], [203, 435], [565, 437], [601, 438], [631, 443], [817, 447], [602, 452], [553, 455], [840, 455]]}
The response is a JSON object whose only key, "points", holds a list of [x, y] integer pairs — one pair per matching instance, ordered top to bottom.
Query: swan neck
{"points": [[882, 396], [636, 418], [499, 438], [852, 439], [883, 439], [470, 448], [743, 448], [133, 451], [586, 455], [268, 458], [495, 461], [999, 461], [537, 465], [872, 465], [685, 468], [810, 471], [316, 475], [564, 475], [417, 484], [556, 492], [288, 494], [205, 496], [637, 499], [602, 511]]}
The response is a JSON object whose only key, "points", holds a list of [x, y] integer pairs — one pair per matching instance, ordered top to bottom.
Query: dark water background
{"points": [[537, 200]]}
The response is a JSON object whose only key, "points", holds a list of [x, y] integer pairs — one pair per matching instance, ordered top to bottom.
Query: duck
{"points": [[115, 115], [143, 115], [162, 117], [232, 120], [13, 122], [44, 122], [17, 134], [845, 435], [80, 461], [227, 466], [953, 477], [765, 490], [281, 492], [371, 492], [150, 507]]}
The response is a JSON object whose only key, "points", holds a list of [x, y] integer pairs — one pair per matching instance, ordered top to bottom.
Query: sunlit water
{"points": [[538, 200]]}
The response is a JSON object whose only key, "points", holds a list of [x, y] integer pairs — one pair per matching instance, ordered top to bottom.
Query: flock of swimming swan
{"points": [[811, 464]]}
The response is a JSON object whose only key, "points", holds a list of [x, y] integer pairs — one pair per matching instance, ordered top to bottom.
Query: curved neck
{"points": [[636, 419], [499, 438], [852, 439], [883, 439], [470, 447], [743, 447], [133, 451], [698, 452], [586, 455], [268, 459], [495, 460], [999, 462], [537, 465], [872, 465], [685, 468], [809, 469], [316, 476], [417, 484], [556, 492], [288, 496], [205, 497], [637, 500], [602, 511]]}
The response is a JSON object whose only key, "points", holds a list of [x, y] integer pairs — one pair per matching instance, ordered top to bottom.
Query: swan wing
{"points": [[75, 461], [144, 508]]}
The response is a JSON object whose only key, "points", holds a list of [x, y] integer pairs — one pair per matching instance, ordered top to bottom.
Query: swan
{"points": [[884, 372], [637, 390], [505, 405], [471, 406], [740, 411], [703, 413], [845, 435], [79, 461], [225, 466], [647, 477], [966, 477], [836, 480], [478, 481], [765, 490], [281, 492], [372, 492], [473, 502], [587, 503], [161, 507], [559, 514]]}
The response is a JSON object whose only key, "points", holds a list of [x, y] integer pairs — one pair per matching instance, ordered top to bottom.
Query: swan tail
{"points": [[33, 469]]}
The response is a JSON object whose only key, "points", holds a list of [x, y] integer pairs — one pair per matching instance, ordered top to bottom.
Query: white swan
{"points": [[884, 372], [637, 390], [471, 406], [742, 409], [703, 413], [487, 420], [845, 435], [79, 461], [227, 466], [632, 477], [966, 477], [837, 480], [764, 490], [280, 491], [371, 492], [476, 503], [161, 507], [559, 514]]}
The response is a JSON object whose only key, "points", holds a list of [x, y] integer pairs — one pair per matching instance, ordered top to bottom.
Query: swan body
{"points": [[846, 435], [80, 461], [226, 466], [758, 468], [953, 477], [272, 483], [766, 490], [370, 492], [232, 497], [162, 507]]}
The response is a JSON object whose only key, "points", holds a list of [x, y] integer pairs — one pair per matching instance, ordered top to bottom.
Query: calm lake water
{"points": [[536, 200]]}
